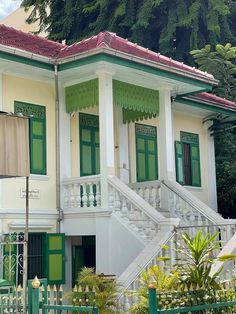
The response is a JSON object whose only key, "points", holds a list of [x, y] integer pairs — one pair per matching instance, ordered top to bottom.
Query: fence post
{"points": [[35, 296], [152, 298]]}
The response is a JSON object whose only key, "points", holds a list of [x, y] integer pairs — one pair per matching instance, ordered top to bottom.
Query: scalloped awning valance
{"points": [[137, 102]]}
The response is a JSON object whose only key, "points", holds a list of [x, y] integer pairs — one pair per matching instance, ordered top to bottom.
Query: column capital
{"points": [[104, 71]]}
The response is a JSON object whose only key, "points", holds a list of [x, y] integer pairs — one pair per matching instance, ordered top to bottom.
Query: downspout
{"points": [[57, 129]]}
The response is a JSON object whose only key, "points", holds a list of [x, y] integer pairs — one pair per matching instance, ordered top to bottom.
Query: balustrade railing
{"points": [[150, 191], [83, 192], [133, 209]]}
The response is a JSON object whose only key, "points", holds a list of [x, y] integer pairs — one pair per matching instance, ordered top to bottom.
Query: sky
{"points": [[8, 6]]}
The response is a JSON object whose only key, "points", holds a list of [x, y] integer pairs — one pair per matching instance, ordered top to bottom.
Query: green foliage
{"points": [[172, 27], [220, 62], [189, 278], [105, 290]]}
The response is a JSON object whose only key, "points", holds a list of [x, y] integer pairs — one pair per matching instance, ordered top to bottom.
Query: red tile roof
{"points": [[13, 38], [111, 40], [31, 43], [43, 47], [215, 100]]}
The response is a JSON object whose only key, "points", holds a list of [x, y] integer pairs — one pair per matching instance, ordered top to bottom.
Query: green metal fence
{"points": [[49, 299], [197, 302]]}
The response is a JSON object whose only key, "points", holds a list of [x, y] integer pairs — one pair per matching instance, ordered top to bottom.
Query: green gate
{"points": [[200, 301]]}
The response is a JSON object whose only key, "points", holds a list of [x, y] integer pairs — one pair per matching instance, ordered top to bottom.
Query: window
{"points": [[37, 135], [89, 144], [146, 152], [187, 154], [46, 258]]}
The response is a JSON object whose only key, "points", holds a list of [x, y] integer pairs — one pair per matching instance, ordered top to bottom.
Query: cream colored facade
{"points": [[15, 88], [120, 213]]}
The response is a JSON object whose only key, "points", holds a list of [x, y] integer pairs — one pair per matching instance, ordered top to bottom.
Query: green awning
{"points": [[81, 96], [137, 102]]}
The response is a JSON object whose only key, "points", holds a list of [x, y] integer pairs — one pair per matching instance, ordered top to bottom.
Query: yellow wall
{"points": [[35, 92], [192, 124]]}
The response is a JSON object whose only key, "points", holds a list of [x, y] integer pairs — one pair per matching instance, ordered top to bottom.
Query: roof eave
{"points": [[28, 55], [207, 78]]}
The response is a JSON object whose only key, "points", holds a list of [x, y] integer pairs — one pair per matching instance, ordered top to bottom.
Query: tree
{"points": [[172, 27], [221, 62]]}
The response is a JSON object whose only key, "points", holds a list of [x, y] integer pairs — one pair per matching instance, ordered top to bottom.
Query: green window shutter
{"points": [[37, 135], [89, 144], [37, 146], [179, 162], [195, 165], [55, 258], [9, 264]]}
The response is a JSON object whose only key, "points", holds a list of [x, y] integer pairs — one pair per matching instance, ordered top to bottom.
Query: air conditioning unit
{"points": [[14, 146]]}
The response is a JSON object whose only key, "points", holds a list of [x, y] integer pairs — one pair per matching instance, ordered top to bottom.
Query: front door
{"points": [[89, 144], [146, 152]]}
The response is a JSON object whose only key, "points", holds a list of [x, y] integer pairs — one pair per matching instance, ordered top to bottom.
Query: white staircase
{"points": [[154, 210], [153, 214]]}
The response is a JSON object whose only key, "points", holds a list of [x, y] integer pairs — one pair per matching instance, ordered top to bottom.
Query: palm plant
{"points": [[105, 290]]}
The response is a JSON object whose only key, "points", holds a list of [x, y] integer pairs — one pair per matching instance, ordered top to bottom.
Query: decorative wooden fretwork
{"points": [[30, 110], [188, 137]]}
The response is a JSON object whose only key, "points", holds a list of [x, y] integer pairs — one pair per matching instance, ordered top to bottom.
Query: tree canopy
{"points": [[172, 27]]}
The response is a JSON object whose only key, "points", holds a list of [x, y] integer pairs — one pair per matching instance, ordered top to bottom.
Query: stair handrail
{"points": [[137, 200], [194, 202], [125, 283]]}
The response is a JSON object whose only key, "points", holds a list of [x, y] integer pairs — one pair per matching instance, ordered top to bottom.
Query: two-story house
{"points": [[119, 152]]}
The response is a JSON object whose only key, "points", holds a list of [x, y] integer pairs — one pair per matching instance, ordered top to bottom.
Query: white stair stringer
{"points": [[229, 269], [129, 279]]}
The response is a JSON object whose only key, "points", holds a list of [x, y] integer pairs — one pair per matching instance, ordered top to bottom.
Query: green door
{"points": [[89, 145], [146, 152]]}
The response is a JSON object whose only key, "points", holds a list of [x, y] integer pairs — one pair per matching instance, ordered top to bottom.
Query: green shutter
{"points": [[37, 135], [89, 144], [37, 146], [146, 152], [179, 162], [195, 165], [55, 258], [9, 262]]}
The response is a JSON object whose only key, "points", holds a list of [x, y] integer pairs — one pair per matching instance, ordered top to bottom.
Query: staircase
{"points": [[159, 212], [154, 214]]}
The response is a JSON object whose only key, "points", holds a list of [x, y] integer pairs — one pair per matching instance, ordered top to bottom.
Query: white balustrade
{"points": [[149, 191], [83, 192], [133, 209]]}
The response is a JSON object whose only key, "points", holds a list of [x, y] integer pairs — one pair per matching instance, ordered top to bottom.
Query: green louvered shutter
{"points": [[37, 135], [37, 146], [179, 162], [195, 165], [55, 258], [9, 264]]}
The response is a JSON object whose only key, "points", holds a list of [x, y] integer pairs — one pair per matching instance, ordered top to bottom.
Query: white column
{"points": [[106, 132], [166, 142], [124, 167], [212, 192], [103, 254]]}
